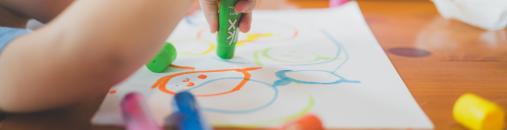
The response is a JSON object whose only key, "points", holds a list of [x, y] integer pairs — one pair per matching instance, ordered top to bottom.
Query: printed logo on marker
{"points": [[232, 29]]}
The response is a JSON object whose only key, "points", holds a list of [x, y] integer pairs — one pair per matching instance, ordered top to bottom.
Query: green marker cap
{"points": [[228, 29], [163, 59]]}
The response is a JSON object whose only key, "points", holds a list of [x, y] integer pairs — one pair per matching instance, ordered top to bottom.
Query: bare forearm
{"points": [[93, 45]]}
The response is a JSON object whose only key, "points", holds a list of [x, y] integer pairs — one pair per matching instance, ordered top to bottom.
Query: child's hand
{"points": [[210, 8]]}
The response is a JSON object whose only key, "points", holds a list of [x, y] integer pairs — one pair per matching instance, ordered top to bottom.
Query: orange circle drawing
{"points": [[162, 82]]}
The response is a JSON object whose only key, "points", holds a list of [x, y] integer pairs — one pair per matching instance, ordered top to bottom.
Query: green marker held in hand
{"points": [[228, 29]]}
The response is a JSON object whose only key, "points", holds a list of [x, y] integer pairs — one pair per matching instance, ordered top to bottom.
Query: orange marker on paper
{"points": [[308, 122]]}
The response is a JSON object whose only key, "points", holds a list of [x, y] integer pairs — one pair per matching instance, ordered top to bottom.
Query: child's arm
{"points": [[93, 45]]}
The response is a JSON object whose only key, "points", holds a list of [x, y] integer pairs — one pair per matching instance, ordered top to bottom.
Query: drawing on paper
{"points": [[282, 70]]}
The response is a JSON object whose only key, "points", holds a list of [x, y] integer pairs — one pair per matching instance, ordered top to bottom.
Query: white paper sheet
{"points": [[295, 62]]}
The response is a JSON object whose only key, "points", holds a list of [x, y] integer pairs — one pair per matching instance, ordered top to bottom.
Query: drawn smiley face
{"points": [[182, 81]]}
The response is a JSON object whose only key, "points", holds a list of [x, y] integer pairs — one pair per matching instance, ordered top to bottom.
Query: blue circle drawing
{"points": [[217, 110]]}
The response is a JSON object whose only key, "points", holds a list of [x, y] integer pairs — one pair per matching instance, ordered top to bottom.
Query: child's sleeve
{"points": [[9, 34], [2, 116]]}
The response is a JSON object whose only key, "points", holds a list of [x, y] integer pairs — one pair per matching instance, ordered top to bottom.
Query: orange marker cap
{"points": [[308, 122]]}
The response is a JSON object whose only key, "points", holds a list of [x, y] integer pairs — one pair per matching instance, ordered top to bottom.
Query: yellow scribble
{"points": [[252, 37]]}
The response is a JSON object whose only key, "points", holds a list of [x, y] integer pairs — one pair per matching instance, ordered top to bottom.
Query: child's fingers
{"points": [[245, 6], [210, 8], [246, 21]]}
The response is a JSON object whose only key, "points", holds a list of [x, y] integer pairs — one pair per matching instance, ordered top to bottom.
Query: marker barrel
{"points": [[337, 3], [228, 29], [165, 57], [188, 110], [477, 113], [135, 115], [307, 122]]}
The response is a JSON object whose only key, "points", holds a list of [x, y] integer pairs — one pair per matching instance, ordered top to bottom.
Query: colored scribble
{"points": [[292, 32], [267, 36], [252, 38], [210, 48], [317, 59], [235, 60], [182, 67], [202, 76], [284, 79], [161, 84], [190, 84], [113, 91], [263, 106], [305, 110], [279, 120]]}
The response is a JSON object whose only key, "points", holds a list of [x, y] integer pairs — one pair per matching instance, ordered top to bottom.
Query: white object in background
{"points": [[487, 14]]}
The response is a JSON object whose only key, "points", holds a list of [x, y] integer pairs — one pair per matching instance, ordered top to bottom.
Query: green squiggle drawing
{"points": [[265, 53], [256, 58]]}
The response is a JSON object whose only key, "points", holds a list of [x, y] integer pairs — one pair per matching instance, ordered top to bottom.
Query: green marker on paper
{"points": [[227, 29], [163, 59]]}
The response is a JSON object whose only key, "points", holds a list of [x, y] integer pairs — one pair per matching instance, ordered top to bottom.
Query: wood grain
{"points": [[463, 58]]}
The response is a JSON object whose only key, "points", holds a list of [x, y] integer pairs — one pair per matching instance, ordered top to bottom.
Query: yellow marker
{"points": [[477, 113]]}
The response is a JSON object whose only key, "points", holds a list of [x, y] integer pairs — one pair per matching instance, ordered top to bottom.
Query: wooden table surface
{"points": [[438, 59]]}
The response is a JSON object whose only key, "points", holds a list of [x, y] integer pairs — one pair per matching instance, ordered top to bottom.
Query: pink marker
{"points": [[336, 3], [134, 114]]}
